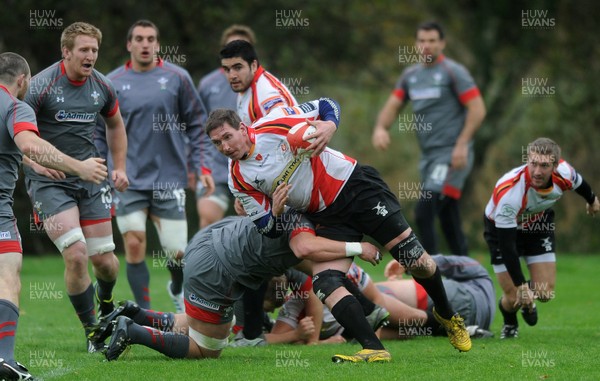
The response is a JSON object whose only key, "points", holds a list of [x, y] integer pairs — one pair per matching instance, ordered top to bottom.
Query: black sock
{"points": [[425, 213], [450, 221], [176, 270], [139, 281], [105, 289], [436, 291], [367, 305], [84, 306], [253, 311], [349, 314], [9, 317], [510, 318], [163, 321], [436, 328], [174, 345]]}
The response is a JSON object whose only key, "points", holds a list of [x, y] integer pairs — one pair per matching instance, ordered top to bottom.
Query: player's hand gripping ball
{"points": [[296, 136]]}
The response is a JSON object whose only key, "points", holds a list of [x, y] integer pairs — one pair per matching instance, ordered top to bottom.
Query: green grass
{"points": [[563, 346]]}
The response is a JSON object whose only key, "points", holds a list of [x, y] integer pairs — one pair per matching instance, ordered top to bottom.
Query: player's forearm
{"points": [[388, 114], [473, 120], [117, 144], [39, 151], [585, 190], [507, 239], [320, 249]]}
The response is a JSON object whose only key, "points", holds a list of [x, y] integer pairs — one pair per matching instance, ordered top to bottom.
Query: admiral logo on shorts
{"points": [[204, 303]]}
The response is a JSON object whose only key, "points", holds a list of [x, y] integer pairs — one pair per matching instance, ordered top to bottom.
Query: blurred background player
{"points": [[259, 91], [215, 92], [67, 99], [161, 108], [448, 110], [19, 133], [519, 222]]}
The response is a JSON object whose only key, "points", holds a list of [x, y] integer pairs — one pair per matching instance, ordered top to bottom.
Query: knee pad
{"points": [[135, 221], [172, 235], [69, 238], [100, 245], [408, 250], [326, 282], [207, 342]]}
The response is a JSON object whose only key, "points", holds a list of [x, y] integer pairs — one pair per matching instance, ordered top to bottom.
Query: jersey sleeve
{"points": [[464, 85], [401, 89], [112, 103], [322, 109], [193, 113], [20, 118], [570, 178], [358, 276], [290, 311]]}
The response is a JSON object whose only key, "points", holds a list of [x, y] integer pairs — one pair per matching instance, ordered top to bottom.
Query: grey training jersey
{"points": [[215, 92], [438, 94], [160, 108], [67, 111], [15, 117], [249, 256], [467, 274]]}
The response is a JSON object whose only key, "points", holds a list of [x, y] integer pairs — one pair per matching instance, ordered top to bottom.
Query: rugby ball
{"points": [[296, 136]]}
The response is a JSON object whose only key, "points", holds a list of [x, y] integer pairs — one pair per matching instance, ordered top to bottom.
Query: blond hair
{"points": [[238, 30], [67, 38], [545, 146]]}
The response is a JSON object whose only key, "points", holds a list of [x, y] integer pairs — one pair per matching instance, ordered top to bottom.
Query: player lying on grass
{"points": [[519, 222], [220, 262], [470, 291]]}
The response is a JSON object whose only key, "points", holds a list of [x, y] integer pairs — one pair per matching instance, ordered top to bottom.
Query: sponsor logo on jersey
{"points": [[427, 93], [270, 103], [307, 107], [79, 117], [259, 157], [288, 171], [5, 235], [204, 303]]}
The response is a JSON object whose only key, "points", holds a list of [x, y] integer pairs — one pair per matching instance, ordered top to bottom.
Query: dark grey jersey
{"points": [[215, 92], [67, 111], [15, 117], [163, 117], [249, 256]]}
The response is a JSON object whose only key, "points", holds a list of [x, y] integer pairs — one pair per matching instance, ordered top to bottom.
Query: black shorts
{"points": [[366, 205], [534, 240]]}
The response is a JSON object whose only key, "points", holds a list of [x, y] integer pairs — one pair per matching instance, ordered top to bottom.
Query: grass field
{"points": [[565, 345]]}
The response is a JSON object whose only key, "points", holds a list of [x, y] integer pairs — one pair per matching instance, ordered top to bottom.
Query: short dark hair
{"points": [[145, 24], [432, 25], [240, 48], [12, 65], [220, 116]]}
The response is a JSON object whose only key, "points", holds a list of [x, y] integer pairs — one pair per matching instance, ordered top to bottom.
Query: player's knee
{"points": [[134, 221], [172, 235], [69, 240], [100, 245], [408, 252], [326, 282], [209, 346]]}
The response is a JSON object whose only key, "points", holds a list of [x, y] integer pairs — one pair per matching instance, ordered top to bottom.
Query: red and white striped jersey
{"points": [[265, 94], [316, 182], [515, 202]]}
